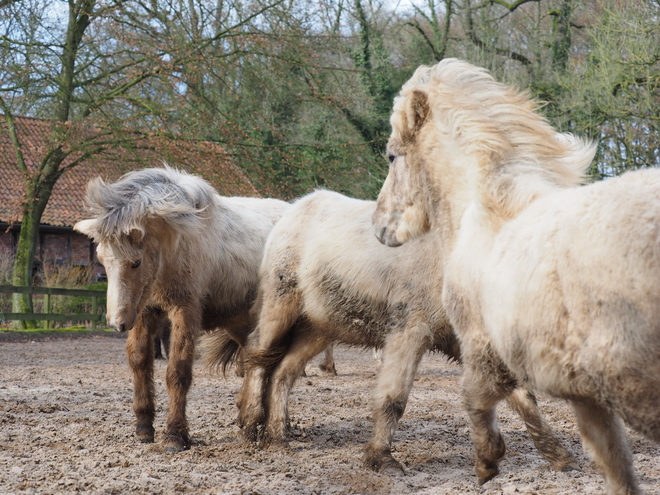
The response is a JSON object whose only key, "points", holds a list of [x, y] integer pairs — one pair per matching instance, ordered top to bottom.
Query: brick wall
{"points": [[6, 242], [54, 248], [59, 248]]}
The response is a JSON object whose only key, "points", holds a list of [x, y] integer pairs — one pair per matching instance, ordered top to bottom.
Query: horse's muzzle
{"points": [[385, 237]]}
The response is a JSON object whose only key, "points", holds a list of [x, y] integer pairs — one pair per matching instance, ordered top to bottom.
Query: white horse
{"points": [[170, 244], [326, 279], [557, 284]]}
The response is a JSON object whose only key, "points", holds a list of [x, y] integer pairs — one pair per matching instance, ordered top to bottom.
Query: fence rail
{"points": [[47, 316]]}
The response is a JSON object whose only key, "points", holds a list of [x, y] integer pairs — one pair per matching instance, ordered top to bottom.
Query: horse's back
{"points": [[268, 208], [227, 256], [348, 282], [571, 290]]}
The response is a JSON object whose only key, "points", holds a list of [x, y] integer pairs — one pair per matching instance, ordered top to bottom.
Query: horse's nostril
{"points": [[381, 235], [122, 328]]}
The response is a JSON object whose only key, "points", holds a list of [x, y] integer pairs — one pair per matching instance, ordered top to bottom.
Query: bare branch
{"points": [[513, 5], [491, 49], [13, 136]]}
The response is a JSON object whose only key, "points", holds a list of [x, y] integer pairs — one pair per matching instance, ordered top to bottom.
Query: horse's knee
{"points": [[140, 354], [179, 375], [389, 411]]}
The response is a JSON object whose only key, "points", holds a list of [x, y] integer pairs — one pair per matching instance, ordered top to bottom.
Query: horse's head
{"points": [[432, 121], [461, 139], [401, 212], [138, 224], [131, 261]]}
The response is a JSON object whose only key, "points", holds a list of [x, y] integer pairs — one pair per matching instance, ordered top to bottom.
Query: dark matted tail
{"points": [[446, 342], [219, 350], [268, 359]]}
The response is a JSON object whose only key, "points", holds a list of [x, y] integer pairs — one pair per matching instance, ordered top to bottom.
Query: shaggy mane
{"points": [[498, 125], [174, 196]]}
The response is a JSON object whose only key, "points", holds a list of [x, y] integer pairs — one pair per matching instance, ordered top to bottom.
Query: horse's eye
{"points": [[391, 157], [136, 264]]}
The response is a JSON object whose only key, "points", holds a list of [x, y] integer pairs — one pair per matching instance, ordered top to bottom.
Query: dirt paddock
{"points": [[66, 426]]}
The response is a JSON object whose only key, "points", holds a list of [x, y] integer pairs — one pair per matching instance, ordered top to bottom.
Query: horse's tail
{"points": [[446, 342], [219, 351], [269, 358]]}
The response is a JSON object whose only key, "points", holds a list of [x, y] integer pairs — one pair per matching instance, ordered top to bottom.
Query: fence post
{"points": [[94, 308], [47, 309]]}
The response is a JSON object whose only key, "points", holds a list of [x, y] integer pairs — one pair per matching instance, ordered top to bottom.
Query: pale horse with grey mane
{"points": [[173, 248], [325, 278], [548, 285]]}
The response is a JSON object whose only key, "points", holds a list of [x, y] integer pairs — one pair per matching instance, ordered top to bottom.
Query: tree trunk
{"points": [[562, 34], [36, 198]]}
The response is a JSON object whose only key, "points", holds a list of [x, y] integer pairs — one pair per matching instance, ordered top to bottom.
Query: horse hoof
{"points": [[328, 371], [145, 433], [250, 433], [176, 442], [271, 443], [176, 445], [280, 445], [175, 448], [383, 463], [570, 467], [392, 468], [485, 474]]}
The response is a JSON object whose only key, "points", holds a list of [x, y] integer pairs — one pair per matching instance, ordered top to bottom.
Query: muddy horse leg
{"points": [[186, 322], [303, 348], [264, 350], [140, 352], [400, 358], [240, 363], [328, 364], [486, 381], [250, 400], [524, 404], [604, 438]]}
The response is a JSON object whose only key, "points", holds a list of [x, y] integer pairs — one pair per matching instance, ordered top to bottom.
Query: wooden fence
{"points": [[47, 292]]}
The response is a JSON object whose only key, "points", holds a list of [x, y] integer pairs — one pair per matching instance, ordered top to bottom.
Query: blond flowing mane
{"points": [[499, 126]]}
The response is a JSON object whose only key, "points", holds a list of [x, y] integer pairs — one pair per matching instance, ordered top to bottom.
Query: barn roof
{"points": [[66, 205]]}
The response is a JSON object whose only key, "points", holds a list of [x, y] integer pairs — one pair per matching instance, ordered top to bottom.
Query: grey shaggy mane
{"points": [[175, 196]]}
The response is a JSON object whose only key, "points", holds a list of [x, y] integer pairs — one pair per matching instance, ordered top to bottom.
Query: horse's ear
{"points": [[418, 110], [87, 227]]}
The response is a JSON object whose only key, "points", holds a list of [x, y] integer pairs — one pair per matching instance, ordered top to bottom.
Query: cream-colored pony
{"points": [[325, 278], [559, 285]]}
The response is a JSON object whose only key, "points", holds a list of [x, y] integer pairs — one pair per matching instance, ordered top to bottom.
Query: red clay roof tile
{"points": [[66, 205]]}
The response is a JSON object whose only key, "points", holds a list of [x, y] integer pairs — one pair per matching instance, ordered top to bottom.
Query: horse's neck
{"points": [[503, 195], [473, 216]]}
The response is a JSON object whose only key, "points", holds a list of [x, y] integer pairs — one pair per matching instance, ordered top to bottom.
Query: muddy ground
{"points": [[66, 426]]}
